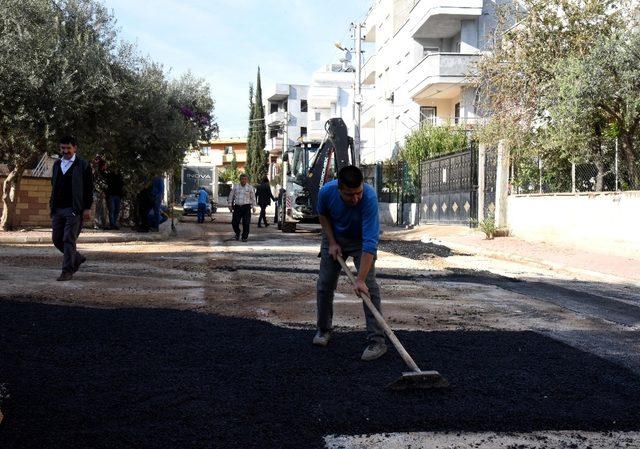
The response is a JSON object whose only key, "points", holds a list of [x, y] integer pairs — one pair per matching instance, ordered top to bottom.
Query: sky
{"points": [[224, 42]]}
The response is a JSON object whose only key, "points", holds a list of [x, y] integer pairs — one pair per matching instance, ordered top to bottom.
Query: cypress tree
{"points": [[259, 139], [249, 164]]}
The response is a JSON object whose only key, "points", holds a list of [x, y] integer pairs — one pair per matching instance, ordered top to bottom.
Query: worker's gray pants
{"points": [[328, 281]]}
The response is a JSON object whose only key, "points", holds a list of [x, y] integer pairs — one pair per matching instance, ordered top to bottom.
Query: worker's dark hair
{"points": [[68, 140], [243, 175], [350, 177]]}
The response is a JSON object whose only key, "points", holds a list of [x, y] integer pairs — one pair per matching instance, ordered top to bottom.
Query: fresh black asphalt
{"points": [[153, 378]]}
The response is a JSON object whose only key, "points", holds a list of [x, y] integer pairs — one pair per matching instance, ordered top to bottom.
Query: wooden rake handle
{"points": [[380, 319]]}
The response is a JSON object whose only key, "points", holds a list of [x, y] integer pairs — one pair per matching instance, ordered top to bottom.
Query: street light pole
{"points": [[357, 98]]}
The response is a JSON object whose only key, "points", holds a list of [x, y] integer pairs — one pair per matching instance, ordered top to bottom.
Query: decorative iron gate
{"points": [[490, 171], [450, 188]]}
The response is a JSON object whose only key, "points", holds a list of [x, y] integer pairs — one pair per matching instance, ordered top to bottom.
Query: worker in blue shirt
{"points": [[203, 199], [348, 211]]}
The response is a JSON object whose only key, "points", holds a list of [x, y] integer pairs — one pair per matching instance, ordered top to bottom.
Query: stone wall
{"points": [[32, 209]]}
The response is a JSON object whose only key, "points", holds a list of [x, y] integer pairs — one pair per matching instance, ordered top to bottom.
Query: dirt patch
{"points": [[153, 378]]}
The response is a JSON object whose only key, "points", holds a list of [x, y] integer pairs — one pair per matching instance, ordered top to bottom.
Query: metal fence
{"points": [[555, 174], [393, 182]]}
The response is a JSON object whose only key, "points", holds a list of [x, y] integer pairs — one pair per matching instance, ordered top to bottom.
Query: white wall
{"points": [[388, 213], [589, 220]]}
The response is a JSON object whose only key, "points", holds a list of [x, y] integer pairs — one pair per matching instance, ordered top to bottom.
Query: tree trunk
{"points": [[630, 158], [599, 175], [10, 190]]}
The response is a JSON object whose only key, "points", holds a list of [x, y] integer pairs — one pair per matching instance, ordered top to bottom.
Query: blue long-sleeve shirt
{"points": [[203, 197], [359, 222]]}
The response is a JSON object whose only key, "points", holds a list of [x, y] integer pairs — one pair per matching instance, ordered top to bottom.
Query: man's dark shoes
{"points": [[266, 225], [259, 226], [237, 236], [244, 239], [80, 262], [65, 276], [322, 338], [373, 351]]}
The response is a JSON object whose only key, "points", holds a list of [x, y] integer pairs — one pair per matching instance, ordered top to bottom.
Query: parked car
{"points": [[190, 206]]}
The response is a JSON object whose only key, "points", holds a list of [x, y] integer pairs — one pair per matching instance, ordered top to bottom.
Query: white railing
{"points": [[440, 68], [274, 117], [467, 122]]}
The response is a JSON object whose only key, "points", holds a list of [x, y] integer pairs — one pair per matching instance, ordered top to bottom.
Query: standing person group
{"points": [[70, 204]]}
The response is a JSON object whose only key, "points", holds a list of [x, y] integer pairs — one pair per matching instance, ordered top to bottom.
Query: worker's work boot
{"points": [[321, 338], [374, 350]]}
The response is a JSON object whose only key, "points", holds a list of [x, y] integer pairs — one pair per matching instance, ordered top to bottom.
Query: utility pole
{"points": [[357, 98]]}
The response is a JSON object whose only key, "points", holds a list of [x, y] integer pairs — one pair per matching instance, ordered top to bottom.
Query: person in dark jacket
{"points": [[115, 191], [157, 192], [264, 197], [70, 204]]}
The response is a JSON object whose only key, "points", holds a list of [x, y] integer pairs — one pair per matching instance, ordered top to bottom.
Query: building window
{"points": [[285, 106], [303, 106], [273, 107], [456, 113], [428, 114], [318, 116], [303, 131], [273, 133], [228, 149], [205, 151]]}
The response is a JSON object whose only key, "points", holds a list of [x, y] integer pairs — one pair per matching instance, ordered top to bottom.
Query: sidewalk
{"points": [[88, 235], [619, 267]]}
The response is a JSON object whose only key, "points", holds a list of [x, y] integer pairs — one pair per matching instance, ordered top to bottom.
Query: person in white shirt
{"points": [[242, 201], [70, 204]]}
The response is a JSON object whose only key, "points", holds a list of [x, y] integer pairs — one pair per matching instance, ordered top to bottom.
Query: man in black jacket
{"points": [[264, 197], [70, 204]]}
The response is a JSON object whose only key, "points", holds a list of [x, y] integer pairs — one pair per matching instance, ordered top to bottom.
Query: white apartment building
{"points": [[425, 51], [331, 95], [286, 114]]}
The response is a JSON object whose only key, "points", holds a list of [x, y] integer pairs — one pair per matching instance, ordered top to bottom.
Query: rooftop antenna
{"points": [[346, 59]]}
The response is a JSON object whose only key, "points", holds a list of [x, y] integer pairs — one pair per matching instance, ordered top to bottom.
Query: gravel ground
{"points": [[159, 378]]}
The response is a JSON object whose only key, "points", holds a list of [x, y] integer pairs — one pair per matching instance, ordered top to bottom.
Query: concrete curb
{"points": [[102, 237], [511, 257]]}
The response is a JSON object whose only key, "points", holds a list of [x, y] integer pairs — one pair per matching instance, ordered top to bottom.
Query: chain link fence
{"points": [[549, 174]]}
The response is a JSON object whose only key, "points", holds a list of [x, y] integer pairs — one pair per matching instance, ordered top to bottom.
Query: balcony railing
{"points": [[436, 68], [275, 117], [464, 122], [275, 144]]}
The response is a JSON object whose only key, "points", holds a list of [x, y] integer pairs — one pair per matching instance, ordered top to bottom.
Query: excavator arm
{"points": [[335, 152]]}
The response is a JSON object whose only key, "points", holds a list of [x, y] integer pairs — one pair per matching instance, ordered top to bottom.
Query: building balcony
{"points": [[441, 18], [369, 71], [441, 75], [278, 93], [322, 97], [368, 115], [275, 118], [464, 122], [275, 145], [240, 157]]}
